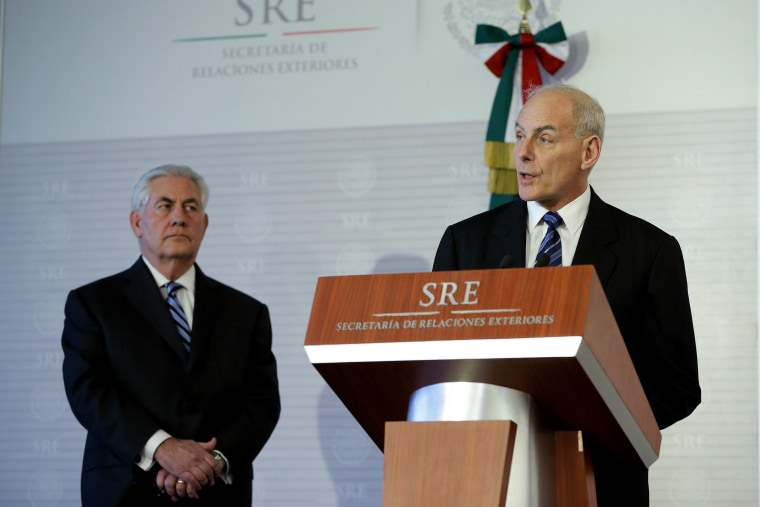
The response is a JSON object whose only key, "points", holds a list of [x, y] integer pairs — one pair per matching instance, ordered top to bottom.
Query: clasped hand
{"points": [[186, 467]]}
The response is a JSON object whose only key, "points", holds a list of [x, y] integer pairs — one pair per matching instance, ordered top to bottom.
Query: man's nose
{"points": [[523, 151], [178, 216]]}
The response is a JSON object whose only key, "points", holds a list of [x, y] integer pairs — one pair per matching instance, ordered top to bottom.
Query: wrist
{"points": [[220, 459]]}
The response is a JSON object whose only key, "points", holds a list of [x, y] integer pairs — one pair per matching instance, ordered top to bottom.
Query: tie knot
{"points": [[552, 219], [172, 288]]}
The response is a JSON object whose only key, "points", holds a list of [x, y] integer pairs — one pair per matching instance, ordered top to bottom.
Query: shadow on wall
{"points": [[579, 47], [401, 263], [352, 458]]}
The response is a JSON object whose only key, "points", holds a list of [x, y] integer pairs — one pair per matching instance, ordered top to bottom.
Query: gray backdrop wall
{"points": [[342, 139]]}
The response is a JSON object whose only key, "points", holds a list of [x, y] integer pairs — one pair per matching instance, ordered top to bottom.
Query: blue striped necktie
{"points": [[551, 244], [177, 313]]}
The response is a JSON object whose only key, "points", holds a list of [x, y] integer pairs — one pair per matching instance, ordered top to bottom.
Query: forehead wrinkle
{"points": [[539, 129]]}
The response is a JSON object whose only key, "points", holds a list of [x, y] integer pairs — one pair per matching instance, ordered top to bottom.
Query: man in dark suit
{"points": [[559, 134], [174, 410]]}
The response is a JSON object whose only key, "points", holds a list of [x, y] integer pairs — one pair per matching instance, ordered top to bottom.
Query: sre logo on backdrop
{"points": [[266, 12]]}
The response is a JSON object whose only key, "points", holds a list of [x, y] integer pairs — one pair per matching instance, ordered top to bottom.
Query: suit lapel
{"points": [[599, 233], [508, 235], [141, 290], [208, 304]]}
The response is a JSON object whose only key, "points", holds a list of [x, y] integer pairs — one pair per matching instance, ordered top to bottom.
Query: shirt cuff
{"points": [[145, 459], [226, 476]]}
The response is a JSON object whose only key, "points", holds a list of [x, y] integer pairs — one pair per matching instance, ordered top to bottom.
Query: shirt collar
{"points": [[573, 214], [187, 280]]}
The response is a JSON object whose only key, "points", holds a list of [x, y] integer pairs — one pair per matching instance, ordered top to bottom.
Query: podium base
{"points": [[550, 467]]}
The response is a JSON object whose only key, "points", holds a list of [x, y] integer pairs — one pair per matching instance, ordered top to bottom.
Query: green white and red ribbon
{"points": [[518, 61]]}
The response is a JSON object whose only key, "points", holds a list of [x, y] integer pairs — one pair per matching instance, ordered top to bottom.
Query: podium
{"points": [[383, 342]]}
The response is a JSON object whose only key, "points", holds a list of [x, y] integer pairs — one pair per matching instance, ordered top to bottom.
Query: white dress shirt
{"points": [[573, 217]]}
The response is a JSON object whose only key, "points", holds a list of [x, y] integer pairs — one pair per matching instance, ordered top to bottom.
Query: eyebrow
{"points": [[539, 129], [189, 200]]}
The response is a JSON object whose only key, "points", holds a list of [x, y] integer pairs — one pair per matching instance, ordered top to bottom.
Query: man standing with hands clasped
{"points": [[559, 220], [170, 372]]}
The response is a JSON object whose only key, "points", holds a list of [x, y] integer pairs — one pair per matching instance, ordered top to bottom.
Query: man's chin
{"points": [[526, 194], [178, 254]]}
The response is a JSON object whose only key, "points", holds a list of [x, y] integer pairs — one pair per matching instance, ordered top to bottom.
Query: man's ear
{"points": [[592, 149], [135, 221], [205, 224]]}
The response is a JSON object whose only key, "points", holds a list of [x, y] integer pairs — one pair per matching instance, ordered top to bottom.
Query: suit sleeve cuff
{"points": [[145, 459]]}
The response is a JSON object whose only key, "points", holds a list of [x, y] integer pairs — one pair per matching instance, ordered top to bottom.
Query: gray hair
{"points": [[588, 115], [141, 192]]}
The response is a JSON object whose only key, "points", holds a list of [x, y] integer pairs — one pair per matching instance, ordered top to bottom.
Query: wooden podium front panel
{"points": [[416, 307], [447, 464]]}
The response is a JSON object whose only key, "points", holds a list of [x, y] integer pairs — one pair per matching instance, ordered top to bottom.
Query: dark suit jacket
{"points": [[642, 271], [127, 375]]}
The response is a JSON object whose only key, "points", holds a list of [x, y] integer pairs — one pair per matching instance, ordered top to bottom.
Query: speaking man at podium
{"points": [[559, 221], [170, 372]]}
